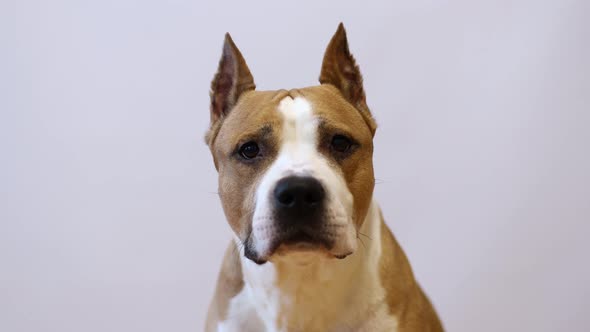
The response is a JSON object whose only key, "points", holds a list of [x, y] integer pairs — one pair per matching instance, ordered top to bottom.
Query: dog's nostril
{"points": [[286, 199], [311, 199]]}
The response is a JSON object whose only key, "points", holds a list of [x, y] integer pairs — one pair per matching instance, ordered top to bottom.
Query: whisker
{"points": [[379, 181], [365, 235], [364, 246], [238, 248]]}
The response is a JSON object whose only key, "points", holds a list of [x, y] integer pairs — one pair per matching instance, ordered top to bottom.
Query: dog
{"points": [[311, 251]]}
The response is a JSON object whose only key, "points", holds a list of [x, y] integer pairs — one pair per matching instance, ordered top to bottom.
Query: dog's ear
{"points": [[340, 70], [232, 79]]}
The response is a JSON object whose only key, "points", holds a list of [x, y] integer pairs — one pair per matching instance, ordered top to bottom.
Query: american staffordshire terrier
{"points": [[311, 251]]}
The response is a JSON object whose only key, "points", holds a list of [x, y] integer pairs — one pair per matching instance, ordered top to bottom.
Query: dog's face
{"points": [[295, 167]]}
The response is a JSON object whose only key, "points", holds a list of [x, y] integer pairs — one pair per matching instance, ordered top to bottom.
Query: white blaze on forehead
{"points": [[299, 129], [299, 155]]}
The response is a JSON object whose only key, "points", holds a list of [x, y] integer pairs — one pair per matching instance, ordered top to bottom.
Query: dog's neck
{"points": [[309, 292]]}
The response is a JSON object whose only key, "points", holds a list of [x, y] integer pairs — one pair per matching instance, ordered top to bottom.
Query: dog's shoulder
{"points": [[229, 283], [404, 297]]}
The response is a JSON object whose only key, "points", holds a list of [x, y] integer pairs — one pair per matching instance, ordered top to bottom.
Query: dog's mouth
{"points": [[299, 240], [291, 241], [302, 241]]}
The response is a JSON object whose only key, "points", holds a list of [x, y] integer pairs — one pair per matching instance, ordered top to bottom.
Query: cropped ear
{"points": [[340, 70], [232, 79]]}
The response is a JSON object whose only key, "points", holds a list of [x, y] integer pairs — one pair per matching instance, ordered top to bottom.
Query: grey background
{"points": [[108, 217]]}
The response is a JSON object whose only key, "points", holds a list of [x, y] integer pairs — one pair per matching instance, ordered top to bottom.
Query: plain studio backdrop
{"points": [[109, 218]]}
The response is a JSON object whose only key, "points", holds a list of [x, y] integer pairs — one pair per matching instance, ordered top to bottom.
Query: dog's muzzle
{"points": [[298, 206]]}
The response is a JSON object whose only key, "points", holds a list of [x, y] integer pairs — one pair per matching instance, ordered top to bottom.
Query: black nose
{"points": [[299, 195]]}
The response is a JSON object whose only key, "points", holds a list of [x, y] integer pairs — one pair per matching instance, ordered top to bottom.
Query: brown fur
{"points": [[405, 298]]}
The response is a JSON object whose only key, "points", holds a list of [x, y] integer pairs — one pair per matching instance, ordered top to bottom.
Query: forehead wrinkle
{"points": [[325, 125], [263, 131]]}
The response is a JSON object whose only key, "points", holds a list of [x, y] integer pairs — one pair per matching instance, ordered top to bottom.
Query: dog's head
{"points": [[295, 166]]}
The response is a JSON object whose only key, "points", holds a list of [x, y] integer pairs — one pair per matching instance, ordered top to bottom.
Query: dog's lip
{"points": [[300, 237], [298, 240], [292, 241], [303, 243], [301, 248], [308, 248]]}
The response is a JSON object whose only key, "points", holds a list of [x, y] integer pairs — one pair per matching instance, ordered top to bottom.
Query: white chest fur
{"points": [[305, 292]]}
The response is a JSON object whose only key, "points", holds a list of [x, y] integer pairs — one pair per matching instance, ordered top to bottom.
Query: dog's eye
{"points": [[341, 143], [249, 150]]}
